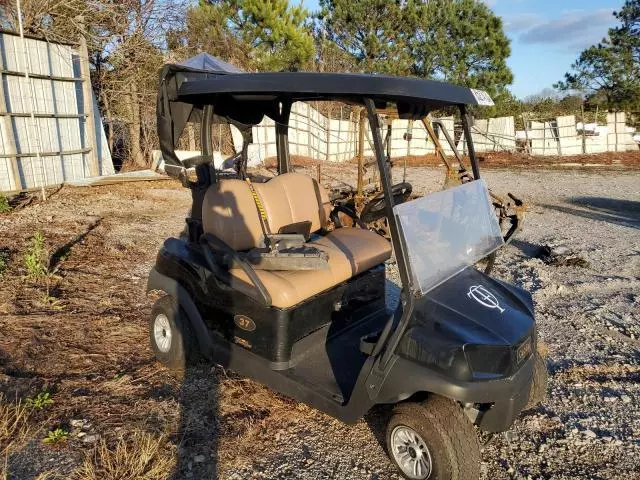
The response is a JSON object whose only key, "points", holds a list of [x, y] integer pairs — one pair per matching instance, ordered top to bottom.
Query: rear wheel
{"points": [[170, 334], [433, 440]]}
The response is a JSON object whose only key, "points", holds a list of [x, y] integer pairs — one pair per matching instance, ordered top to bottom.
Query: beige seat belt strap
{"points": [[264, 223]]}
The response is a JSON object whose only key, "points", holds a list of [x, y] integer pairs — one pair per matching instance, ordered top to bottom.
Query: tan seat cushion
{"points": [[293, 197], [229, 212], [362, 248], [351, 251], [288, 288]]}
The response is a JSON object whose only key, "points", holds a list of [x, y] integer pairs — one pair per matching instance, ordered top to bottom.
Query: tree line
{"points": [[458, 41]]}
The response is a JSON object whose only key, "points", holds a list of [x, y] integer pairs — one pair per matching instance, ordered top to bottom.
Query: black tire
{"points": [[180, 348], [538, 392], [447, 433]]}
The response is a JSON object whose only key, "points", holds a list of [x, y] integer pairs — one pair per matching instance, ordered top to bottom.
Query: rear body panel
{"points": [[267, 331]]}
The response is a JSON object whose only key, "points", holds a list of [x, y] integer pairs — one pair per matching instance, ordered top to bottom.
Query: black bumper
{"points": [[508, 396]]}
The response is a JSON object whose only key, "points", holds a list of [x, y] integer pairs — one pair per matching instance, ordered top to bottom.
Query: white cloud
{"points": [[520, 22], [573, 29]]}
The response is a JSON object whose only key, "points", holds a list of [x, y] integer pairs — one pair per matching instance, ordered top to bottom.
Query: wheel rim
{"points": [[162, 332], [411, 453]]}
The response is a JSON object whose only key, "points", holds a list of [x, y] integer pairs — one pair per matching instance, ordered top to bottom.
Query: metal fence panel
{"points": [[58, 131]]}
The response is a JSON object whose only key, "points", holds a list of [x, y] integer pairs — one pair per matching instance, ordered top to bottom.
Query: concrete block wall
{"points": [[313, 135]]}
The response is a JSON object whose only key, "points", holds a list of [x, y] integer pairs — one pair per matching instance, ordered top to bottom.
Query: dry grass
{"points": [[487, 159], [248, 414], [14, 425], [14, 428], [141, 457]]}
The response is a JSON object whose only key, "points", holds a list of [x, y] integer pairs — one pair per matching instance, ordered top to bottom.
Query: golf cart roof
{"points": [[307, 86], [243, 99]]}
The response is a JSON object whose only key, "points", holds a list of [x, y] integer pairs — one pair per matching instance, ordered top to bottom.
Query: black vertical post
{"points": [[466, 127], [205, 130], [282, 138], [204, 176], [386, 187], [406, 302]]}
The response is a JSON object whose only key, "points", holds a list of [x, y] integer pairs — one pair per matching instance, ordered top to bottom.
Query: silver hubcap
{"points": [[162, 333], [411, 453]]}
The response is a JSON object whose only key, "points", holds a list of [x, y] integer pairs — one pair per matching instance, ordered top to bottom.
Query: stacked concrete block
{"points": [[544, 138], [619, 139], [597, 141], [570, 142], [420, 143]]}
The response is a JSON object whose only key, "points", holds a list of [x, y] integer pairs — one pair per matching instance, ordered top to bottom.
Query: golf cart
{"points": [[266, 283]]}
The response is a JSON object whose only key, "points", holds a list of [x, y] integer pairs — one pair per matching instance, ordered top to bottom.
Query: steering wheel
{"points": [[376, 207]]}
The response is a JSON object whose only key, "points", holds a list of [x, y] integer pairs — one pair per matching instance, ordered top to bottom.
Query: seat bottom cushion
{"points": [[362, 248], [351, 251]]}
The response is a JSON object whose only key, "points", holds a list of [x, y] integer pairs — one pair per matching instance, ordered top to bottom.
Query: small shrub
{"points": [[4, 204], [5, 255], [35, 260], [53, 302], [43, 399], [56, 436]]}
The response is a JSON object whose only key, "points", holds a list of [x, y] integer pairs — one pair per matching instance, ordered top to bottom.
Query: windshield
{"points": [[447, 231]]}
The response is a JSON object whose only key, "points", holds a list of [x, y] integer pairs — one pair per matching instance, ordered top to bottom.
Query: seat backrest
{"points": [[293, 197], [229, 211]]}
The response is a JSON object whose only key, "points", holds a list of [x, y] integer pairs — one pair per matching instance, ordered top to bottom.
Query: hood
{"points": [[474, 308], [471, 327]]}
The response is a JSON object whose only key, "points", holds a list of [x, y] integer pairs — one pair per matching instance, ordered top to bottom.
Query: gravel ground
{"points": [[589, 317], [91, 350]]}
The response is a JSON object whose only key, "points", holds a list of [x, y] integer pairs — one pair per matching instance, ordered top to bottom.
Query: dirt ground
{"points": [[600, 161], [80, 334]]}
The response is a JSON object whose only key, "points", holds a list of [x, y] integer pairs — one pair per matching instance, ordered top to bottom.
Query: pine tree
{"points": [[259, 34], [459, 41], [609, 73]]}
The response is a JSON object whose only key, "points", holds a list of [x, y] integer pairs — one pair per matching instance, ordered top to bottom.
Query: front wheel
{"points": [[170, 334], [433, 440]]}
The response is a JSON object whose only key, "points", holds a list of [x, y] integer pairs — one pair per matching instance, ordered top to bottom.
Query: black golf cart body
{"points": [[471, 338]]}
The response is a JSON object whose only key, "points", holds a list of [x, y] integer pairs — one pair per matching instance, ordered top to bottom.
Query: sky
{"points": [[546, 36]]}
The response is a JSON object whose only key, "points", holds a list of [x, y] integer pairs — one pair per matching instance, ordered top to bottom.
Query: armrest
{"points": [[209, 241], [282, 241], [304, 257]]}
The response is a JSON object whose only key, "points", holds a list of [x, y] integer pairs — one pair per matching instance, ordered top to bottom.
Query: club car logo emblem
{"points": [[484, 297], [245, 323]]}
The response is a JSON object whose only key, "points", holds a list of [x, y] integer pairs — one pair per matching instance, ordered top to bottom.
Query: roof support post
{"points": [[466, 126], [361, 127], [282, 138], [204, 178], [385, 180], [399, 248]]}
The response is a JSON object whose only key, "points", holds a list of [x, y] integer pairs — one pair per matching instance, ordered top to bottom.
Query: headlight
{"points": [[435, 351], [488, 361]]}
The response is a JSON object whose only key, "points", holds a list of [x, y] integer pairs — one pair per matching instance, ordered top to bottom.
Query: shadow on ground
{"points": [[611, 210], [199, 429]]}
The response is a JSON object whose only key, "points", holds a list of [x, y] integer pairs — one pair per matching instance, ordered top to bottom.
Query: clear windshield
{"points": [[447, 231]]}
